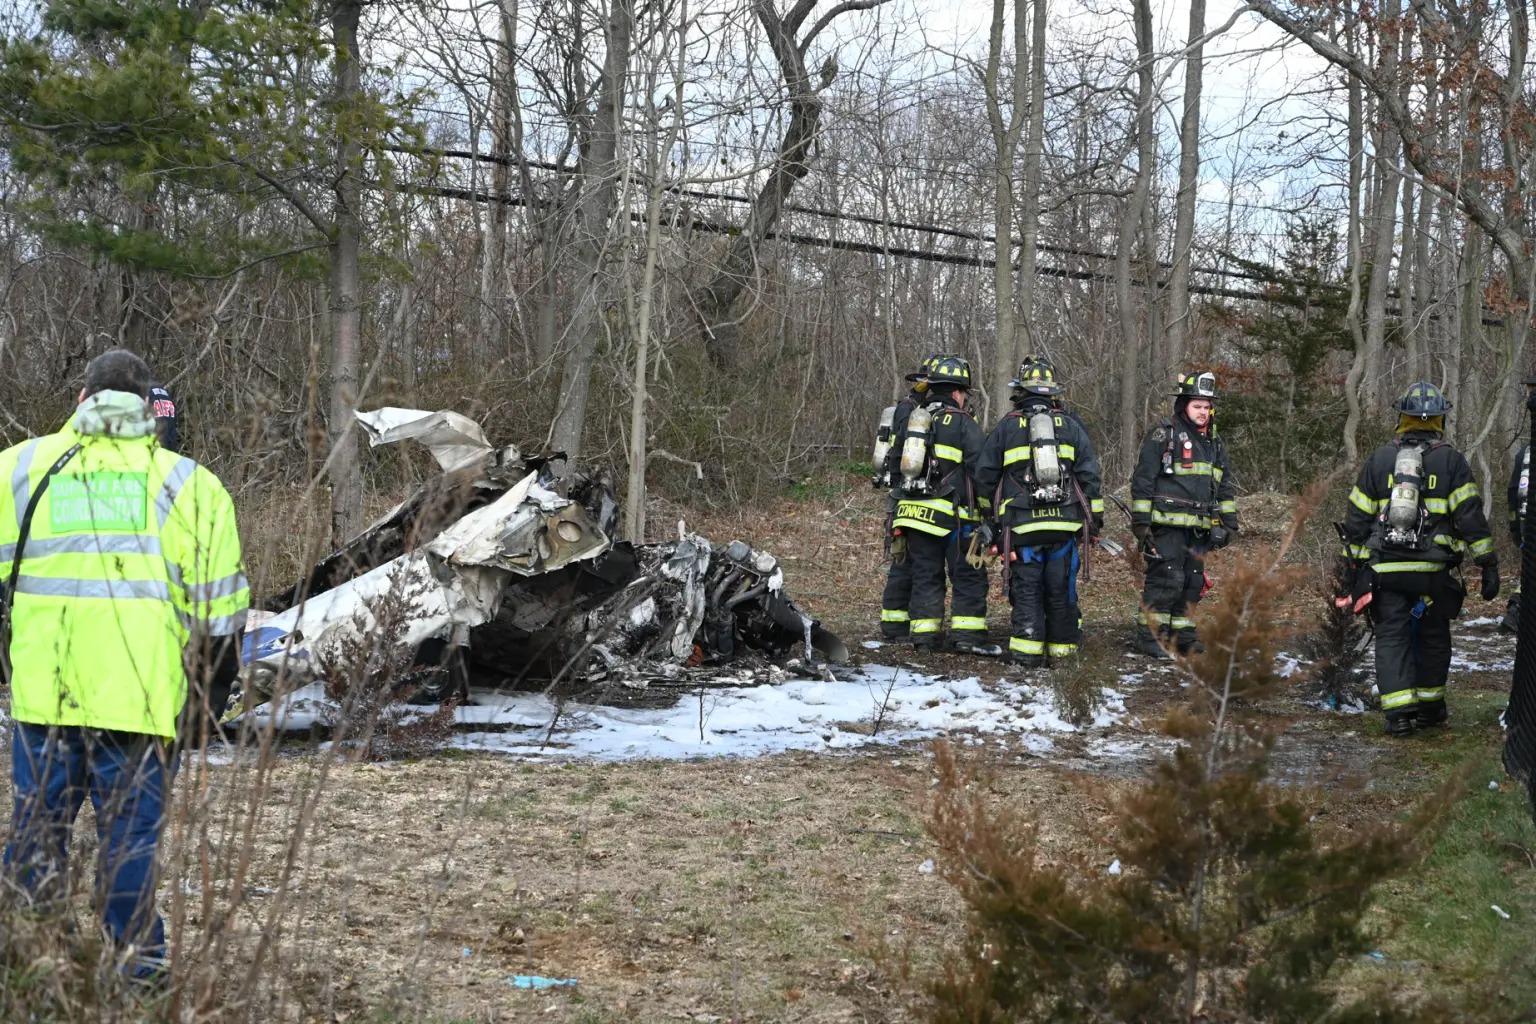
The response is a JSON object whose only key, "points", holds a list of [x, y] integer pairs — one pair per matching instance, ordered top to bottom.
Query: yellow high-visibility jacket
{"points": [[131, 549]]}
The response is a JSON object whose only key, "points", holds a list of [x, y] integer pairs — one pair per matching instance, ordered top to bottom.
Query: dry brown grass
{"points": [[774, 889]]}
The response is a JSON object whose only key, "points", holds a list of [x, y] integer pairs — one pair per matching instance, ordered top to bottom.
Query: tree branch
{"points": [[842, 8]]}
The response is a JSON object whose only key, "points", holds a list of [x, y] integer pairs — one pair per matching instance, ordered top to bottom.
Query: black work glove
{"points": [[1098, 524], [1141, 531], [1221, 537], [1490, 580]]}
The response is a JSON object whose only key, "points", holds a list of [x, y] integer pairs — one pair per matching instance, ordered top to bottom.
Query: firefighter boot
{"points": [[1511, 622], [977, 645], [1148, 645], [1192, 647], [1024, 661], [1431, 714], [1401, 724]]}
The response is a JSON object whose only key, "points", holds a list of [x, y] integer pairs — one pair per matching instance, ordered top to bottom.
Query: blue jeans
{"points": [[128, 777]]}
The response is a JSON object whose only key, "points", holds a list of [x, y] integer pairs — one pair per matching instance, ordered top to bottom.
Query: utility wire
{"points": [[845, 245]]}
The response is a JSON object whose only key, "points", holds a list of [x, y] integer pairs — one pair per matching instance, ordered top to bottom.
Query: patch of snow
{"points": [[1484, 620], [873, 645], [1461, 663], [745, 721]]}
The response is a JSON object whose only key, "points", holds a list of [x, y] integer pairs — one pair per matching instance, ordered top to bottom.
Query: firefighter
{"points": [[164, 409], [1039, 469], [1519, 488], [1183, 505], [937, 508], [1414, 514], [895, 619]]}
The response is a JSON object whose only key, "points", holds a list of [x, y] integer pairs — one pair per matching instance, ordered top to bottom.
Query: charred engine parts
{"points": [[496, 568]]}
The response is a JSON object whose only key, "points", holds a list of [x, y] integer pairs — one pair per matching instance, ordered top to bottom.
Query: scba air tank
{"points": [[1042, 438], [883, 446], [914, 450], [1525, 480], [1403, 502]]}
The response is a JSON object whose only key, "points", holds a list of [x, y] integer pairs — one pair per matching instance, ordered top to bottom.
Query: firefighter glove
{"points": [[1098, 524], [1141, 531], [1221, 536], [898, 549], [1345, 573], [1490, 581]]}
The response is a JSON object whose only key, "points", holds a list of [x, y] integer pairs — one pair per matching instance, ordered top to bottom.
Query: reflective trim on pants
{"points": [[894, 615], [967, 623], [925, 625], [1019, 645], [1061, 650], [1432, 694], [1402, 698]]}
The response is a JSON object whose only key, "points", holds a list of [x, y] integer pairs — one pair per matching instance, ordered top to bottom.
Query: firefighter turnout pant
{"points": [[932, 558], [1175, 581], [1042, 587], [895, 617], [1413, 647]]}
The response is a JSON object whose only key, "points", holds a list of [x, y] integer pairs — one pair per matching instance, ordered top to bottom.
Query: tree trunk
{"points": [[1356, 137], [1005, 141], [1034, 153], [1189, 181], [594, 216], [1130, 219], [1383, 227], [493, 273], [713, 303], [346, 305], [634, 513]]}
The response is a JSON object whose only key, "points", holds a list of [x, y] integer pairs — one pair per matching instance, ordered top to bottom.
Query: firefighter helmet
{"points": [[952, 371], [920, 376], [1036, 377], [1529, 380], [1196, 385], [1422, 399]]}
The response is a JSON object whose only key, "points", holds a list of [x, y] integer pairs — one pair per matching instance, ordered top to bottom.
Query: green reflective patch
{"points": [[98, 501]]}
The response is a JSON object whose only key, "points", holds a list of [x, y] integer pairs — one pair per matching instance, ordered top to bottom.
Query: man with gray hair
{"points": [[123, 565]]}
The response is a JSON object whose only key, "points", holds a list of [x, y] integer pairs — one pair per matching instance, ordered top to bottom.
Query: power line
{"points": [[858, 218], [874, 249]]}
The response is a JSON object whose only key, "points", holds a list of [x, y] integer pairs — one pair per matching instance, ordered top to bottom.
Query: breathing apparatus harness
{"points": [[1179, 451], [1043, 477], [1046, 481], [1403, 526]]}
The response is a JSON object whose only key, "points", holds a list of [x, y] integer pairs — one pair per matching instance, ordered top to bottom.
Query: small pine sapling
{"points": [[1232, 903]]}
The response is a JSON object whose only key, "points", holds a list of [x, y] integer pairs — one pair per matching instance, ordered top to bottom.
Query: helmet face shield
{"points": [[1196, 385]]}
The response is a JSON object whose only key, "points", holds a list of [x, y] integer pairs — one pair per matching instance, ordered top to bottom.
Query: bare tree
{"points": [[1006, 120], [598, 178], [1189, 182], [714, 301], [1133, 339]]}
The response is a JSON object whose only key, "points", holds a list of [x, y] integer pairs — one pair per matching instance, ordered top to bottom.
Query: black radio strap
{"points": [[9, 594]]}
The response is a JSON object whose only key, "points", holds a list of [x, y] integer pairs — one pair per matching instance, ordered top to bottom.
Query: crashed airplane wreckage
{"points": [[496, 570]]}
